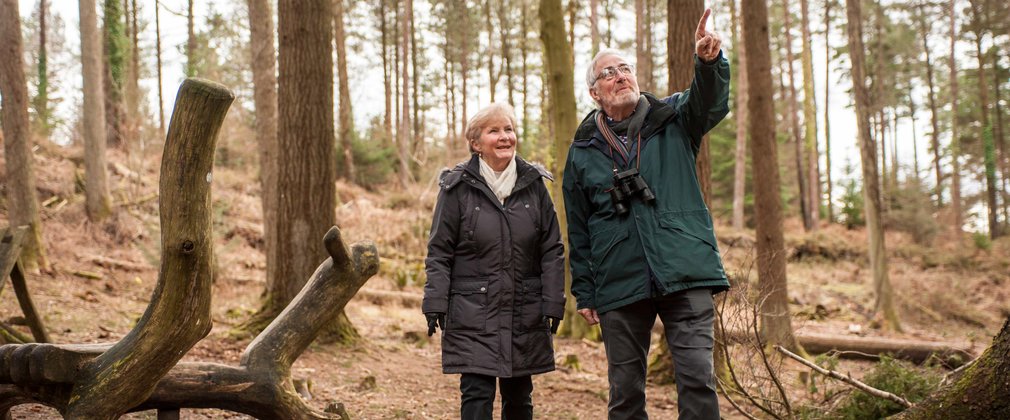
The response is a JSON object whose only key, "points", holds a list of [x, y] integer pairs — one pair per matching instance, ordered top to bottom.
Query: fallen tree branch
{"points": [[845, 378]]}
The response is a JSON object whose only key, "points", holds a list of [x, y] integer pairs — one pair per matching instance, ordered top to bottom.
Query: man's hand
{"points": [[707, 44], [590, 315], [435, 318]]}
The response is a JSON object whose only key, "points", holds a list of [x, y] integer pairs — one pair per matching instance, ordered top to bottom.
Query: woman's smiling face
{"points": [[497, 143]]}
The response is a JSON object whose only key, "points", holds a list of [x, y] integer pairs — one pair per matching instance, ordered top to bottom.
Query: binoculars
{"points": [[629, 184]]}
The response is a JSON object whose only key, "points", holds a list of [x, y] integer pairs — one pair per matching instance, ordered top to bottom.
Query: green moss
{"points": [[893, 376]]}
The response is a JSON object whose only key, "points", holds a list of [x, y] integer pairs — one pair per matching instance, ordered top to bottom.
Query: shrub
{"points": [[893, 376]]}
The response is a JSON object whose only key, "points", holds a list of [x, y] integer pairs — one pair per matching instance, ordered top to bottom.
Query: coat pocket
{"points": [[689, 242], [467, 304], [531, 313]]}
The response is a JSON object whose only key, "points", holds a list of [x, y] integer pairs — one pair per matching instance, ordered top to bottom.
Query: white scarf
{"points": [[501, 185]]}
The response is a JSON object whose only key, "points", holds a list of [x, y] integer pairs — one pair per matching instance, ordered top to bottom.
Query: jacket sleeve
{"points": [[706, 103], [577, 208], [441, 247], [552, 259]]}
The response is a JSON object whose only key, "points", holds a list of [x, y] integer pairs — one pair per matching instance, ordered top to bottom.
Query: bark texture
{"points": [[264, 70], [742, 115], [346, 124], [21, 197], [97, 201], [884, 307], [776, 325], [982, 392]]}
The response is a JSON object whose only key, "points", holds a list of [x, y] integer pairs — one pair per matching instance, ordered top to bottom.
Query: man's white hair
{"points": [[591, 71]]}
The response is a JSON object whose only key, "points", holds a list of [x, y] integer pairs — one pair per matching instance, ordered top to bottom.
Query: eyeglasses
{"points": [[609, 73]]}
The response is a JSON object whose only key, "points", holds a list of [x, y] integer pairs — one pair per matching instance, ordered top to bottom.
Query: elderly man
{"points": [[640, 233]]}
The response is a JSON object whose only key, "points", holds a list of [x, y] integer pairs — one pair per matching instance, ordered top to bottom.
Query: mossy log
{"points": [[140, 372], [125, 374], [982, 392]]}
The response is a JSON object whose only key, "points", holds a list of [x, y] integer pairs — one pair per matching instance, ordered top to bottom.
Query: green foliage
{"points": [[114, 42], [373, 162], [852, 201], [911, 212], [981, 241], [894, 376]]}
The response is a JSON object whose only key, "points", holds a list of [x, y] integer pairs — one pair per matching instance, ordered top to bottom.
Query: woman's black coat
{"points": [[495, 270]]}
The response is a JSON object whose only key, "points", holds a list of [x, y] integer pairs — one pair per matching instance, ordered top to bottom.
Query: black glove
{"points": [[435, 318], [552, 323]]}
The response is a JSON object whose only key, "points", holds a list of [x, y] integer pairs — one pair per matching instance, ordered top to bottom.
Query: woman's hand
{"points": [[435, 318]]}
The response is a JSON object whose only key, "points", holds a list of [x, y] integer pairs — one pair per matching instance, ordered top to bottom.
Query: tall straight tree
{"points": [[828, 4], [681, 15], [594, 26], [978, 26], [925, 28], [114, 41], [157, 43], [643, 47], [264, 72], [559, 76], [132, 84], [742, 86], [42, 97], [387, 117], [794, 119], [810, 120], [346, 122], [403, 132], [955, 141], [96, 189], [306, 194], [21, 200], [884, 308], [776, 325]]}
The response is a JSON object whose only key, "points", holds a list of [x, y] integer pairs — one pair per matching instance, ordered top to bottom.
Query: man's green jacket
{"points": [[656, 248]]}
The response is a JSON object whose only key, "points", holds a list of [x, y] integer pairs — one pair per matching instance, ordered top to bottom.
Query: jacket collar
{"points": [[659, 114], [526, 174]]}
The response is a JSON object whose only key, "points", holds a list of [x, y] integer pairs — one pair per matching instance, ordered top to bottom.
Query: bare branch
{"points": [[845, 378]]}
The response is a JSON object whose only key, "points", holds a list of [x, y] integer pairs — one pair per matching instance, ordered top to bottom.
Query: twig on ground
{"points": [[845, 378], [738, 408]]}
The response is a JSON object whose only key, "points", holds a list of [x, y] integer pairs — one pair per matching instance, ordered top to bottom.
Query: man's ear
{"points": [[592, 94]]}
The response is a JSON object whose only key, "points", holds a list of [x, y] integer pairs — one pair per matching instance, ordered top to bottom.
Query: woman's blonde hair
{"points": [[481, 118]]}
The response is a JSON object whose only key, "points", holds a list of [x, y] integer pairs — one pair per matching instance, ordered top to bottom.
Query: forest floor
{"points": [[951, 291]]}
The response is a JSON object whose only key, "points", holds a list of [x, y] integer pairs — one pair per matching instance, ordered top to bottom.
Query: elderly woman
{"points": [[495, 270]]}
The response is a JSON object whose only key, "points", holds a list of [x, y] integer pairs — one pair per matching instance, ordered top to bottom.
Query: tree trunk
{"points": [[594, 26], [925, 27], [190, 41], [157, 43], [506, 48], [114, 50], [643, 51], [264, 70], [492, 76], [559, 76], [742, 87], [42, 97], [387, 117], [794, 119], [827, 120], [810, 121], [450, 123], [131, 124], [403, 132], [346, 133], [528, 142], [955, 142], [418, 146], [989, 157], [305, 167], [21, 199], [97, 201], [884, 306], [776, 325], [982, 391]]}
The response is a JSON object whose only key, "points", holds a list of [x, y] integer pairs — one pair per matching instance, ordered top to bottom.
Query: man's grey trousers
{"points": [[687, 317]]}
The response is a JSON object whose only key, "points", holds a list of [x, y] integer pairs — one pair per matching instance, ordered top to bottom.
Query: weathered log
{"points": [[10, 251], [179, 313], [261, 385], [983, 392]]}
